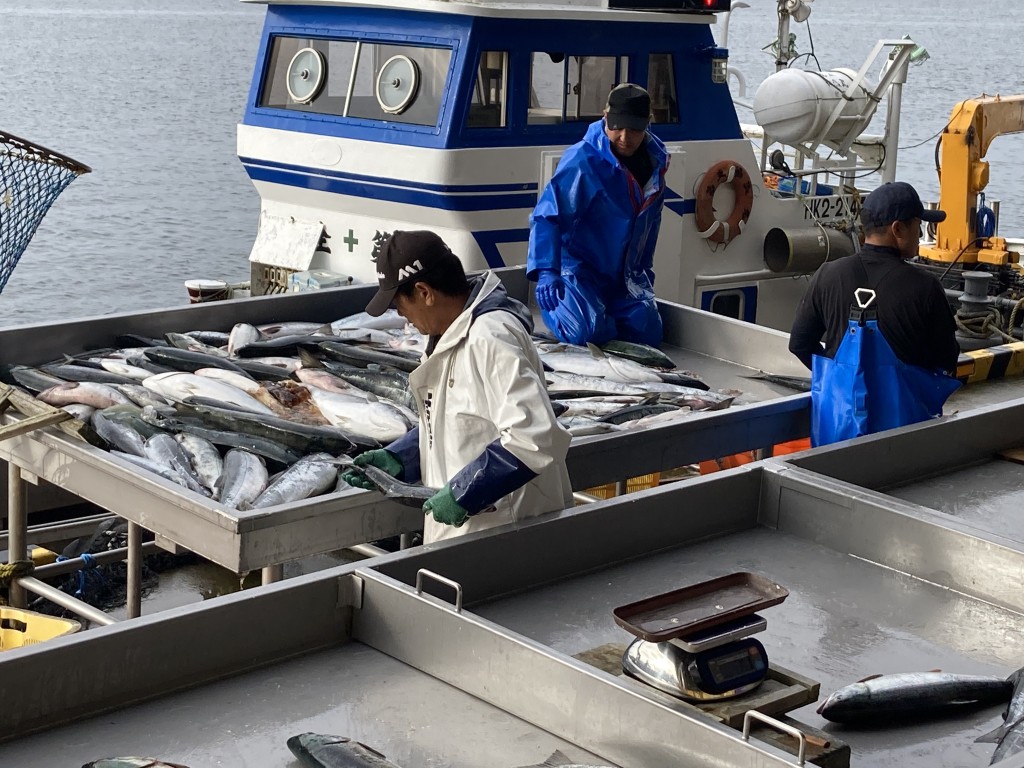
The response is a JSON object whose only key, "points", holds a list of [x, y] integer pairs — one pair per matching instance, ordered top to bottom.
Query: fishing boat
{"points": [[368, 116]]}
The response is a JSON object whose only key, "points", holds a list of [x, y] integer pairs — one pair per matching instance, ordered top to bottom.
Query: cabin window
{"points": [[349, 78], [661, 84], [570, 88], [487, 108]]}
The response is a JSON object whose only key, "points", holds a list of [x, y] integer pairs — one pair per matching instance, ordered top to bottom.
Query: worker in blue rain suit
{"points": [[593, 231], [886, 365], [487, 437]]}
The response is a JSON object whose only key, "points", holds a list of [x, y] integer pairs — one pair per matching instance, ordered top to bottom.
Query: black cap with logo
{"points": [[629, 106], [402, 257]]}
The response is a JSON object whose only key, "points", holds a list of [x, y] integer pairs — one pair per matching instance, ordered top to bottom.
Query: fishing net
{"points": [[31, 178]]}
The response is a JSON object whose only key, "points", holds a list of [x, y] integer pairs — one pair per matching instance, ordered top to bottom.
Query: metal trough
{"points": [[723, 350], [876, 585]]}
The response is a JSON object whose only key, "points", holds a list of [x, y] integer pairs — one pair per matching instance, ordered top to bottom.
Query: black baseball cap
{"points": [[629, 106], [895, 201], [401, 258]]}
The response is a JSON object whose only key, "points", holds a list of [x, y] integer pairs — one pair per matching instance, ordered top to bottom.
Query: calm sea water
{"points": [[149, 93]]}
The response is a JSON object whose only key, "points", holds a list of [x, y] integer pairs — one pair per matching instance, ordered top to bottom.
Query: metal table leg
{"points": [[17, 521], [272, 573], [134, 597]]}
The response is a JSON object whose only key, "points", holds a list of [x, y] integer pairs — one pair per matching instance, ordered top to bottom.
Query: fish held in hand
{"points": [[916, 695]]}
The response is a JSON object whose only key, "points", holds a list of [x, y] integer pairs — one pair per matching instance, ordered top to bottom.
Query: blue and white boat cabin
{"points": [[367, 116]]}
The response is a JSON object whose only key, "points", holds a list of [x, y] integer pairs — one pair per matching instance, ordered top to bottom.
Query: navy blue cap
{"points": [[895, 201]]}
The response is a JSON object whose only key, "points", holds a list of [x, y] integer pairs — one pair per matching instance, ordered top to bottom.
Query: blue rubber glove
{"points": [[549, 289], [380, 458], [445, 508]]}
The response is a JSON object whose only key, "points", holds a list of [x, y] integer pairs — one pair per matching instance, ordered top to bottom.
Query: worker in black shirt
{"points": [[913, 318]]}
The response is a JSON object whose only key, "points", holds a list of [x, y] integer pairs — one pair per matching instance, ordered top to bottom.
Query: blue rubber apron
{"points": [[865, 388]]}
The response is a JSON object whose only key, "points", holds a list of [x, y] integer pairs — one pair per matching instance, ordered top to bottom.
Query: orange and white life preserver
{"points": [[709, 226]]}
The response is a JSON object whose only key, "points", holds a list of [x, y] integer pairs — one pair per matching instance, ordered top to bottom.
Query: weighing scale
{"points": [[696, 642]]}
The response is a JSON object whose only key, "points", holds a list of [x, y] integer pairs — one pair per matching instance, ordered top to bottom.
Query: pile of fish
{"points": [[257, 417]]}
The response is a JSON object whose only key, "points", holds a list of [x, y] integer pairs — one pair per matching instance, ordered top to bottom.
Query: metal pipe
{"points": [[892, 124], [743, 277], [999, 301], [583, 498], [17, 523], [67, 530], [404, 540], [367, 550], [77, 563], [272, 573], [54, 595], [133, 599]]}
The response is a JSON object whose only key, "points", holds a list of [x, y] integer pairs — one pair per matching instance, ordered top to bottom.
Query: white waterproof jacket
{"points": [[483, 384]]}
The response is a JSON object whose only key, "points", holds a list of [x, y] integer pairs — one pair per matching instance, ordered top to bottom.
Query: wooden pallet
{"points": [[38, 415], [781, 692]]}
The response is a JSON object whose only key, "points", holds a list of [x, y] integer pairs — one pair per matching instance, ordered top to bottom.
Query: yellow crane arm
{"points": [[965, 140]]}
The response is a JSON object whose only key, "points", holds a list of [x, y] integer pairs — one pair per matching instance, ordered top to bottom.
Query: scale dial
{"points": [[306, 75], [397, 82]]}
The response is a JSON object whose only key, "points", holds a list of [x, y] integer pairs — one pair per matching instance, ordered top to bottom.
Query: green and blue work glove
{"points": [[380, 458], [445, 509]]}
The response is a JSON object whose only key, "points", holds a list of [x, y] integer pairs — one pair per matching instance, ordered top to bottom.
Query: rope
{"points": [[1013, 315], [981, 324], [15, 570]]}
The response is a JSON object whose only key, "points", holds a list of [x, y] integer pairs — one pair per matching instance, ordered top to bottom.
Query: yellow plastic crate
{"points": [[633, 484], [19, 628]]}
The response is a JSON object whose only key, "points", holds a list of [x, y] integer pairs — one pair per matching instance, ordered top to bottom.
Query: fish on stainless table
{"points": [[389, 319], [241, 335], [192, 344], [644, 354], [365, 356], [189, 360], [597, 364], [32, 379], [799, 383], [180, 386], [87, 393], [141, 396], [377, 419], [118, 434], [164, 450], [205, 459], [310, 476], [244, 478], [913, 695], [1009, 736], [319, 750], [559, 759], [131, 762]]}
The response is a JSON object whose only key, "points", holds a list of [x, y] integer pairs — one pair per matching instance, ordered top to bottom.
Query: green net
{"points": [[31, 178]]}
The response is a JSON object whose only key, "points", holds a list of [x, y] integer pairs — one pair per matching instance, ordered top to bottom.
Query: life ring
{"points": [[709, 226]]}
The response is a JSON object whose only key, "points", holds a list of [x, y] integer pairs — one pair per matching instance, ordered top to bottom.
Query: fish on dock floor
{"points": [[913, 695], [318, 750]]}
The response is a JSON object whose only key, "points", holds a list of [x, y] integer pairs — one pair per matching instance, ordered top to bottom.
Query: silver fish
{"points": [[389, 319], [241, 335], [192, 344], [644, 354], [598, 364], [122, 368], [247, 384], [180, 387], [87, 393], [141, 396], [79, 411], [378, 420], [118, 434], [166, 451], [204, 457], [164, 471], [308, 477], [243, 480], [912, 694], [1009, 737], [318, 750], [558, 759], [131, 762]]}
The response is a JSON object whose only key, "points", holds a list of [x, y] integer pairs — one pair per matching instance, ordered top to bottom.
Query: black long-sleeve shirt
{"points": [[913, 314]]}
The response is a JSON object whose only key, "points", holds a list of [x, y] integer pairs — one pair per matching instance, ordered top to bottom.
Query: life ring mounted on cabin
{"points": [[710, 227]]}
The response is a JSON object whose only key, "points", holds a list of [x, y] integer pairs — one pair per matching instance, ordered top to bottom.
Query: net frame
{"points": [[31, 179]]}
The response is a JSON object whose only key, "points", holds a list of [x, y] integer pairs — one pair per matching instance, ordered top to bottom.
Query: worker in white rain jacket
{"points": [[487, 436]]}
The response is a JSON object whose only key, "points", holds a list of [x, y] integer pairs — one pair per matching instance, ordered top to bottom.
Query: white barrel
{"points": [[793, 105]]}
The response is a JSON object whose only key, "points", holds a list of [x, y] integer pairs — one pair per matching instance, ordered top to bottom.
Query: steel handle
{"points": [[439, 578], [753, 714]]}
